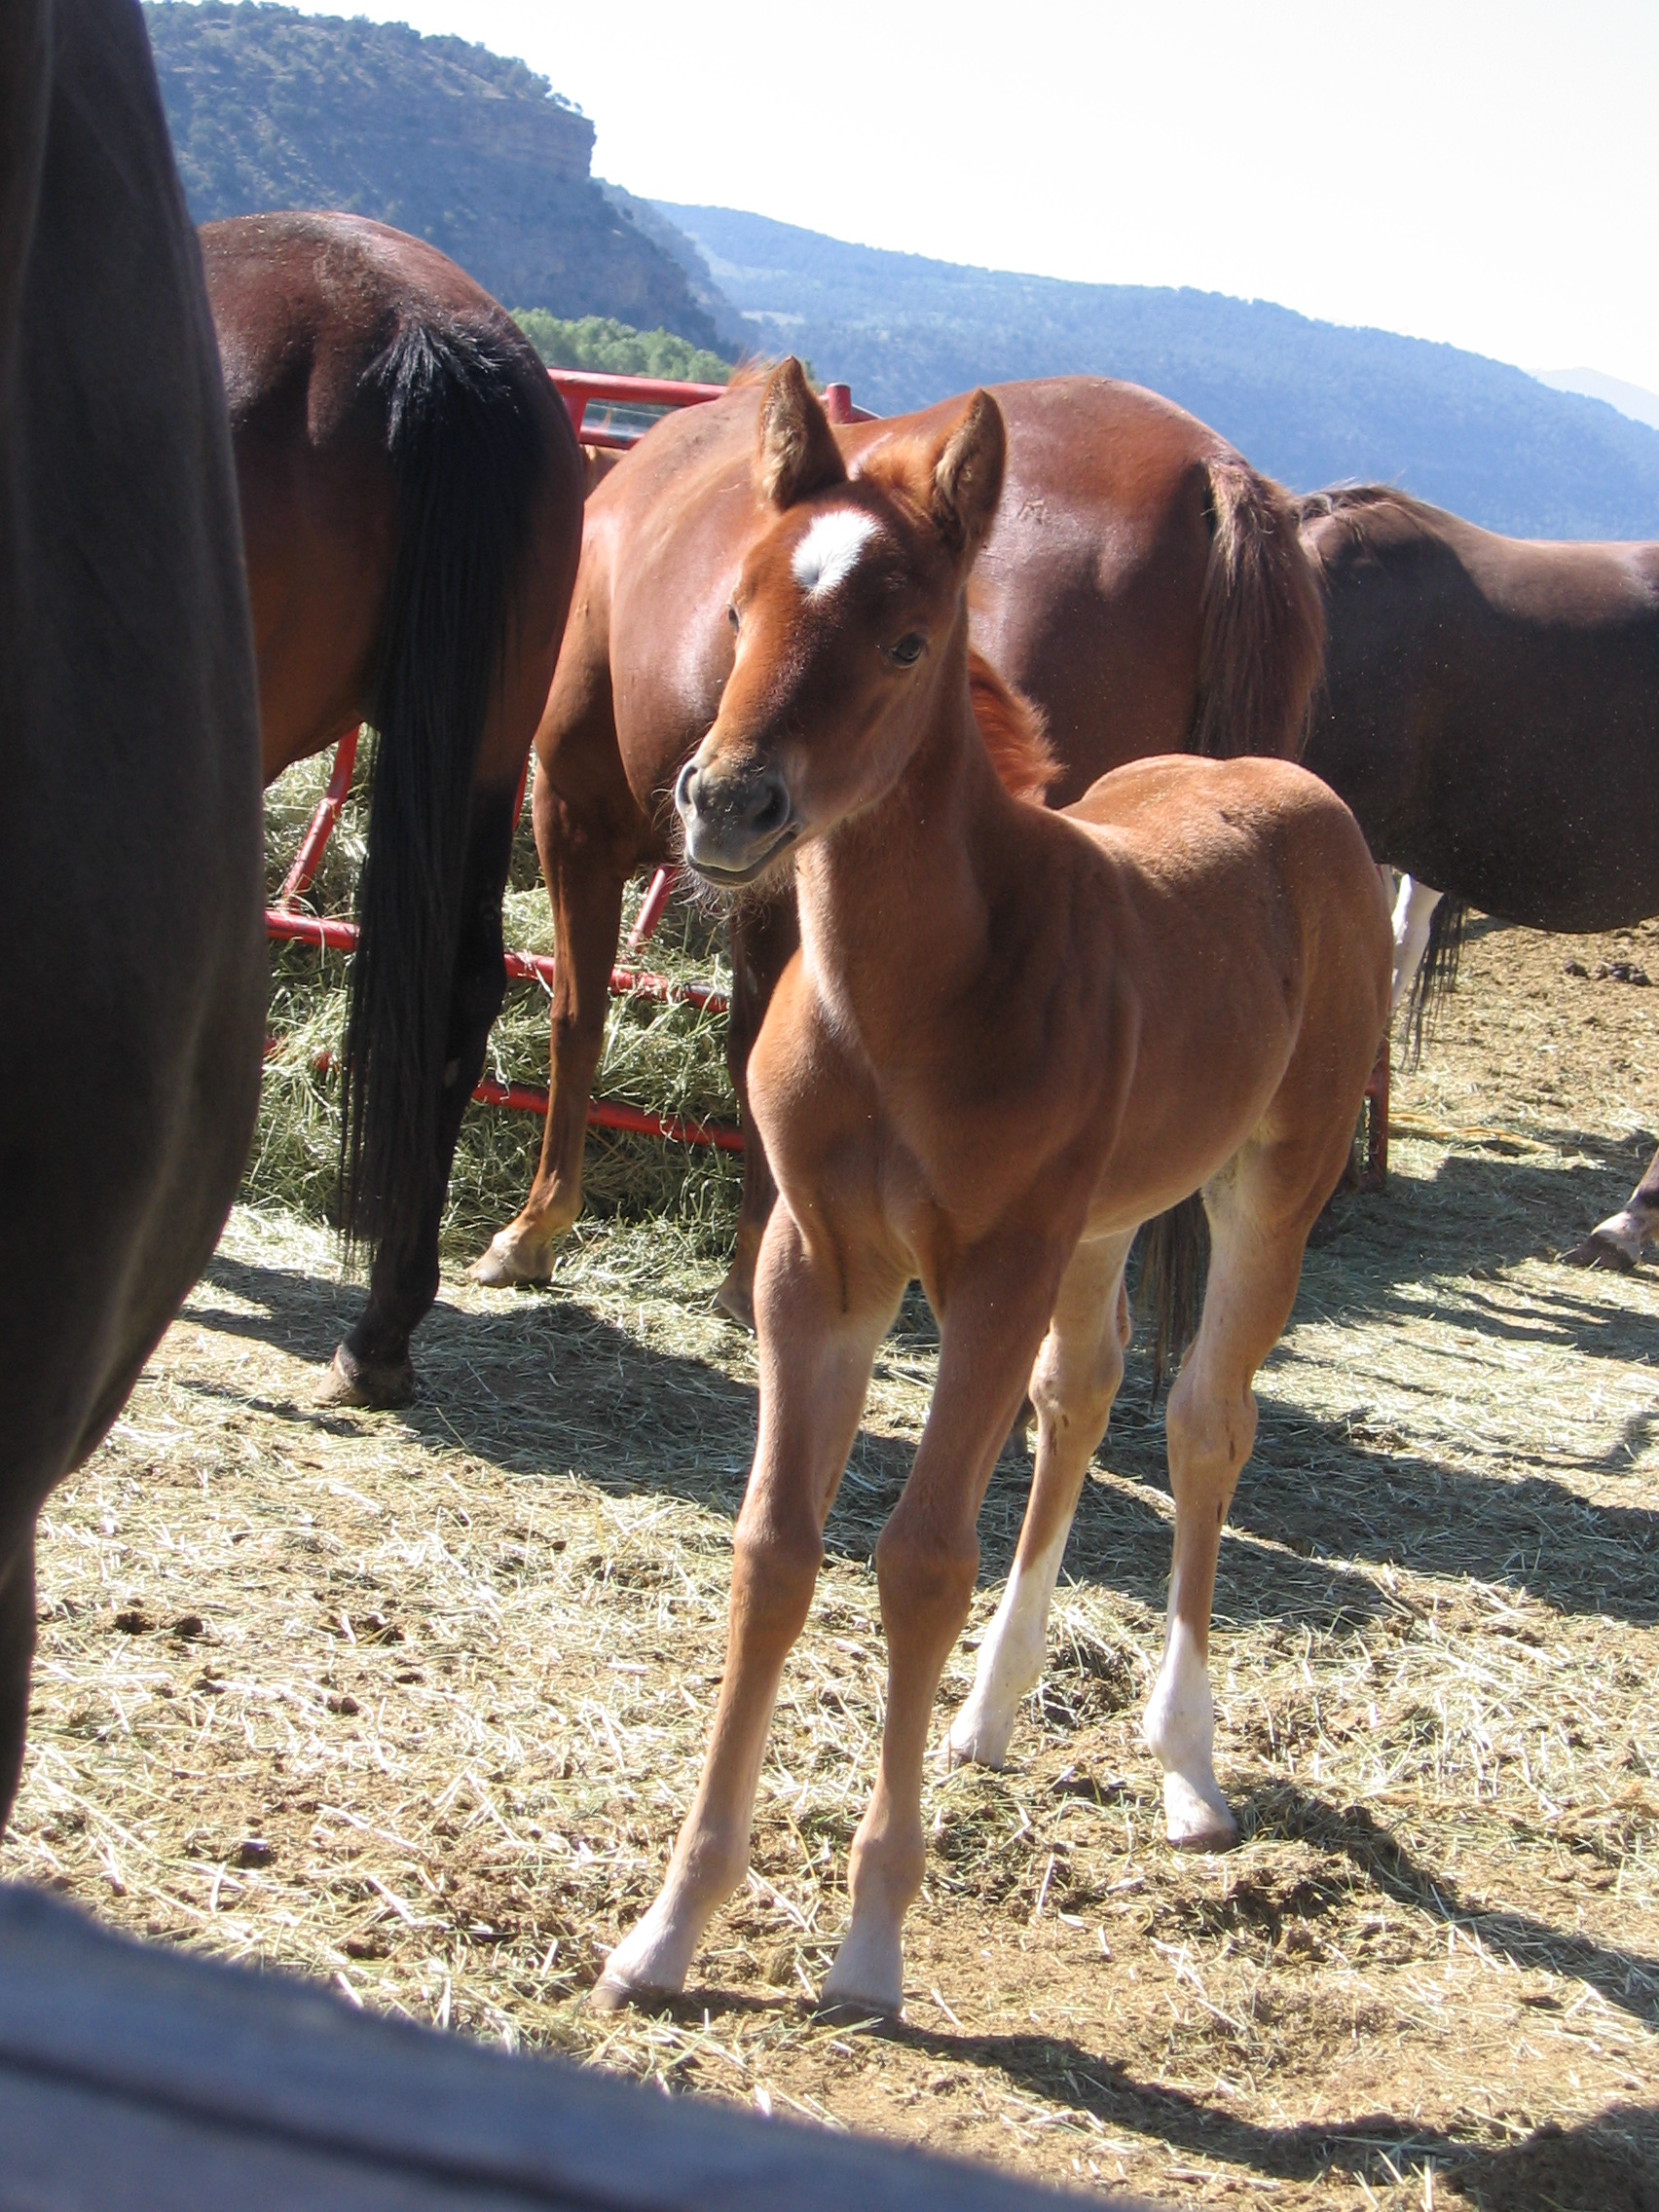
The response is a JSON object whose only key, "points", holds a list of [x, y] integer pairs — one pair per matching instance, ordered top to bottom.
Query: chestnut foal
{"points": [[1009, 1038]]}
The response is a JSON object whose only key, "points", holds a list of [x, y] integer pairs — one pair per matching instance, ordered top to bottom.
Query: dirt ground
{"points": [[413, 1703]]}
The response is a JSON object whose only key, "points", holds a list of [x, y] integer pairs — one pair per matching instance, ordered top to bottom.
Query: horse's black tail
{"points": [[467, 455], [1437, 975], [1174, 1262]]}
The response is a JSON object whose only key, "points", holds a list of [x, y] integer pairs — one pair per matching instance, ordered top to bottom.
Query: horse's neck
{"points": [[897, 903]]}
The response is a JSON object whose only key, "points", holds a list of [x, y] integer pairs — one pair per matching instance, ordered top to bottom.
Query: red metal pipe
{"points": [[576, 386], [309, 859], [654, 908], [329, 935], [602, 1113], [610, 1114]]}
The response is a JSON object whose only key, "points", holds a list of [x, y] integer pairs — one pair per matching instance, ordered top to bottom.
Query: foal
{"points": [[1010, 1036]]}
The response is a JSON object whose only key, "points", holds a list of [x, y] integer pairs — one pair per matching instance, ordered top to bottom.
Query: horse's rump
{"points": [[1262, 636]]}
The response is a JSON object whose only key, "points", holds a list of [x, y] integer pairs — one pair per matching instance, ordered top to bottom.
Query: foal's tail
{"points": [[468, 455], [1263, 641], [1437, 973], [1174, 1263]]}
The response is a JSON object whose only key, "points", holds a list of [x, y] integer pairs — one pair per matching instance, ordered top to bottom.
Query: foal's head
{"points": [[843, 613]]}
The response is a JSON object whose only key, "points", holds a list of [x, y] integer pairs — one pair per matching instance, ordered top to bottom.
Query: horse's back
{"points": [[1490, 705], [132, 996]]}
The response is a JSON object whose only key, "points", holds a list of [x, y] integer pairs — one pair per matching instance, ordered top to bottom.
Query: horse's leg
{"points": [[585, 865], [1414, 910], [764, 940], [1260, 1208], [1616, 1242], [819, 1329], [373, 1367], [1073, 1386], [926, 1566], [17, 1650]]}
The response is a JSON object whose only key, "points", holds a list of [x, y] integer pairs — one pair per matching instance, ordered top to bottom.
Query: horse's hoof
{"points": [[1599, 1251], [505, 1266], [735, 1299], [377, 1385], [1196, 1819], [866, 1981], [607, 1996]]}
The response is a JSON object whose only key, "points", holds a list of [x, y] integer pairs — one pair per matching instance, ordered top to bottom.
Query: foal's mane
{"points": [[1013, 730]]}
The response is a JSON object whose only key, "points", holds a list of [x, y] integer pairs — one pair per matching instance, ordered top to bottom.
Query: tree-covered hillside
{"points": [[271, 109], [1310, 402]]}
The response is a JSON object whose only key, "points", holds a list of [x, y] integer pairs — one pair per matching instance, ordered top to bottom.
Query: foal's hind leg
{"points": [[1260, 1210], [373, 1367], [1073, 1386]]}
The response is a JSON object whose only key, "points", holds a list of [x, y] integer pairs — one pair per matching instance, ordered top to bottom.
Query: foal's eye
{"points": [[731, 613], [908, 650]]}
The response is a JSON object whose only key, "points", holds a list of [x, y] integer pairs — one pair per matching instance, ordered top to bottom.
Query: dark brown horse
{"points": [[412, 500], [1142, 586], [1491, 712], [133, 990], [1008, 1038]]}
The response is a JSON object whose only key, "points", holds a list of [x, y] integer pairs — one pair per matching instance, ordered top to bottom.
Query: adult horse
{"points": [[411, 501], [1142, 586], [1489, 707], [1491, 712], [132, 991], [1010, 1036]]}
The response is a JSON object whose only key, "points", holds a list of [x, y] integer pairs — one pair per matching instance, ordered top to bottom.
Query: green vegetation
{"points": [[609, 347]]}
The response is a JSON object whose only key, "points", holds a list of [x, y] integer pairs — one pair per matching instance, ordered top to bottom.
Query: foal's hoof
{"points": [[1599, 1250], [508, 1263], [735, 1299], [377, 1385], [978, 1737], [1196, 1819], [866, 1980]]}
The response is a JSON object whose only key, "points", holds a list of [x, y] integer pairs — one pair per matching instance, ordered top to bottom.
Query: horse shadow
{"points": [[549, 1385]]}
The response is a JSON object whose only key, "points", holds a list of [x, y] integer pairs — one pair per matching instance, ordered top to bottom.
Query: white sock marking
{"points": [[829, 552], [1414, 910], [1010, 1659]]}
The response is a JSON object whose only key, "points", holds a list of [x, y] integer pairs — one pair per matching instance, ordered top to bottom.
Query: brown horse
{"points": [[411, 501], [1142, 586], [1489, 704], [1489, 710], [132, 991], [1010, 1036]]}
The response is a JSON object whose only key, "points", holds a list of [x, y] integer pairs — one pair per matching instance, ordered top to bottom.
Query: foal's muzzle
{"points": [[735, 825]]}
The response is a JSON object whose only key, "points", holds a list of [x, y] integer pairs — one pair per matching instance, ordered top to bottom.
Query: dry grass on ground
{"points": [[413, 1703]]}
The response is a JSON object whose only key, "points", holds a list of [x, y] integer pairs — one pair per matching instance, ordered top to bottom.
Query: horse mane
{"points": [[1352, 503], [1013, 732]]}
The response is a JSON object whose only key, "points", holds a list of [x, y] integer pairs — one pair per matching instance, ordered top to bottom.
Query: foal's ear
{"points": [[797, 454], [968, 476]]}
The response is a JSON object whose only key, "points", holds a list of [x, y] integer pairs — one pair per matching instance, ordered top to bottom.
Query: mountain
{"points": [[269, 108], [1632, 399], [1314, 403]]}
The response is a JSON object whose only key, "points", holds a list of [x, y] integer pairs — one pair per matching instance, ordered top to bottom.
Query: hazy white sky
{"points": [[1487, 174]]}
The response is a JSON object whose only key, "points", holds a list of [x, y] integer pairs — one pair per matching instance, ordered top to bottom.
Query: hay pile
{"points": [[669, 1058], [413, 1704]]}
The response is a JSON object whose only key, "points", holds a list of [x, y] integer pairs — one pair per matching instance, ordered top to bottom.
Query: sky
{"points": [[1483, 175]]}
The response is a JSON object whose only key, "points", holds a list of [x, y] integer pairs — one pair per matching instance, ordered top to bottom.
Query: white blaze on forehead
{"points": [[829, 549]]}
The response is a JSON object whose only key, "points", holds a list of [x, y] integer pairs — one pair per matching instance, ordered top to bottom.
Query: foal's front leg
{"points": [[818, 1339], [926, 1565]]}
